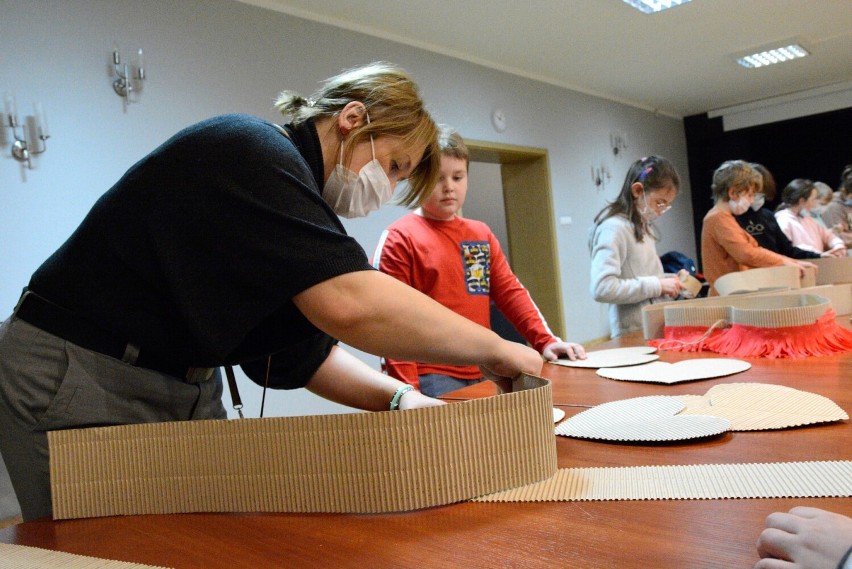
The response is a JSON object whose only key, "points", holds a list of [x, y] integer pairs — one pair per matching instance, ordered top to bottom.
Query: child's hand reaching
{"points": [[564, 349], [804, 538]]}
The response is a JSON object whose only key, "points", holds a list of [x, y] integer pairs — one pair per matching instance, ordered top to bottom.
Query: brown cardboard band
{"points": [[357, 463]]}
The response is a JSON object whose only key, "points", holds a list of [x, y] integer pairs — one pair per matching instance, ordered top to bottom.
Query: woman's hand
{"points": [[558, 349], [511, 360], [804, 538]]}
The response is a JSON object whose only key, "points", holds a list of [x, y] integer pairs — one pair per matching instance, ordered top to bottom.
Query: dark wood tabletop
{"points": [[718, 534]]}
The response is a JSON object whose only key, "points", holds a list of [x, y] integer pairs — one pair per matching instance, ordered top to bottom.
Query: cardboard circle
{"points": [[614, 357], [668, 373], [650, 419]]}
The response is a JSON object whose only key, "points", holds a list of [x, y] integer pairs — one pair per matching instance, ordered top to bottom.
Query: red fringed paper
{"points": [[823, 337], [685, 338]]}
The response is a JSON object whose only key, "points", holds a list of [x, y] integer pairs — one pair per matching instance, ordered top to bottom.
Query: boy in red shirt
{"points": [[459, 263]]}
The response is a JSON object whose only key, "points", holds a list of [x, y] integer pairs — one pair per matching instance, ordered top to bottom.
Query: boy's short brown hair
{"points": [[451, 144]]}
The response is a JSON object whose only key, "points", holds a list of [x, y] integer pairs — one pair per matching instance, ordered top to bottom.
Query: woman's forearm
{"points": [[376, 313]]}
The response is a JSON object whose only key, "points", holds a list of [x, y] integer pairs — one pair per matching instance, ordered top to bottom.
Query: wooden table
{"points": [[621, 534]]}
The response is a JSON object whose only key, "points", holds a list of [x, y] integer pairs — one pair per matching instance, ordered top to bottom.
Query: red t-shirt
{"points": [[460, 264]]}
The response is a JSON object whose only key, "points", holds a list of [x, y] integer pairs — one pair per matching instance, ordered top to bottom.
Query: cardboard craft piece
{"points": [[833, 270], [764, 279], [691, 284], [654, 317], [614, 357], [686, 370], [734, 406], [758, 406], [558, 414], [653, 418], [357, 463], [819, 479], [25, 557]]}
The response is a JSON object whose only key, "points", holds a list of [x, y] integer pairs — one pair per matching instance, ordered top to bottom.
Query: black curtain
{"points": [[816, 147]]}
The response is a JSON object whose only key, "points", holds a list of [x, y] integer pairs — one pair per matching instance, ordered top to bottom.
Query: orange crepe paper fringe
{"points": [[823, 337]]}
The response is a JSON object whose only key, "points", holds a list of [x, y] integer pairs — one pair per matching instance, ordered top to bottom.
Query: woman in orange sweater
{"points": [[725, 246]]}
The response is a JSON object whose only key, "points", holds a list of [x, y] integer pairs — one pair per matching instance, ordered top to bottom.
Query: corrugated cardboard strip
{"points": [[360, 463], [689, 482], [23, 557]]}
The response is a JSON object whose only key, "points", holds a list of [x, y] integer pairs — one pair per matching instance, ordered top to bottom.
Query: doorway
{"points": [[531, 233]]}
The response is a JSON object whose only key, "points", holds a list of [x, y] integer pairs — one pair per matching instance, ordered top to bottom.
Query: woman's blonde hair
{"points": [[393, 103], [736, 174]]}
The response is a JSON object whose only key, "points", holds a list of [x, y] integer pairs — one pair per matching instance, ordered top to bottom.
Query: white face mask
{"points": [[355, 195], [759, 200], [738, 207], [647, 213]]}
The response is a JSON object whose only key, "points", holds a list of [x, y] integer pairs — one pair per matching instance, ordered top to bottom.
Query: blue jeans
{"points": [[435, 384]]}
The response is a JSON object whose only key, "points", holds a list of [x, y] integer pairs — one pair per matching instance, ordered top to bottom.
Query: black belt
{"points": [[61, 322]]}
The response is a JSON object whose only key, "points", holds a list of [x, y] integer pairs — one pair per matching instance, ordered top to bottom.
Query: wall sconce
{"points": [[128, 77], [618, 142], [22, 148], [600, 176]]}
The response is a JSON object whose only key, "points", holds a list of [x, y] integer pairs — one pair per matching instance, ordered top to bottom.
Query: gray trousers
{"points": [[47, 383]]}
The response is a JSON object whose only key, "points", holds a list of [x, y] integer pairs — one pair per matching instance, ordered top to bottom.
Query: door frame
{"points": [[530, 222]]}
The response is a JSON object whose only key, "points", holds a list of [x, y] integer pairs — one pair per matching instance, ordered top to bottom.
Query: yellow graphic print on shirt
{"points": [[476, 256]]}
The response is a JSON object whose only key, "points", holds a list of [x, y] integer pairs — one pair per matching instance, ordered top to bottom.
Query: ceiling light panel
{"points": [[651, 6], [772, 56]]}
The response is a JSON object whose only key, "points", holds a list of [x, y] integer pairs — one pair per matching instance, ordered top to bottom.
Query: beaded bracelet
{"points": [[394, 404]]}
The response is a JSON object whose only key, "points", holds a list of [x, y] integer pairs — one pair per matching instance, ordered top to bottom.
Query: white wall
{"points": [[205, 57]]}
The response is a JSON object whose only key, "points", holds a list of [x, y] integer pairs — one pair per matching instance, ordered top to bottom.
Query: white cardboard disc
{"points": [[615, 357], [686, 370], [558, 414], [652, 418]]}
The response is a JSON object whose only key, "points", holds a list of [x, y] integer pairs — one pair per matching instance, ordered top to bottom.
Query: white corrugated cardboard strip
{"points": [[689, 482], [23, 557]]}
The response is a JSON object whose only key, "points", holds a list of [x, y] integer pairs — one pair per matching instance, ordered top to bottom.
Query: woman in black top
{"points": [[224, 247]]}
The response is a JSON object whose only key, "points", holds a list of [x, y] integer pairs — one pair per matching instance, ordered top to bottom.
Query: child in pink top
{"points": [[798, 198]]}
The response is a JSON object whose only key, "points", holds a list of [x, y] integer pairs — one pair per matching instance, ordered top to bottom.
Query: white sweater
{"points": [[625, 273]]}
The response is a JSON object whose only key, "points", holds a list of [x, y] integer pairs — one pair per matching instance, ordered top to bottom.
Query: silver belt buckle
{"points": [[199, 374]]}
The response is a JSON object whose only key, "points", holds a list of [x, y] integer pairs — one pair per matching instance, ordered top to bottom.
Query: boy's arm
{"points": [[515, 302]]}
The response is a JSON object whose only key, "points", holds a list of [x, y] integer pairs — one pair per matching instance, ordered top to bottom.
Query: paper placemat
{"points": [[614, 357], [686, 370], [652, 418], [356, 463], [826, 479], [25, 557]]}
